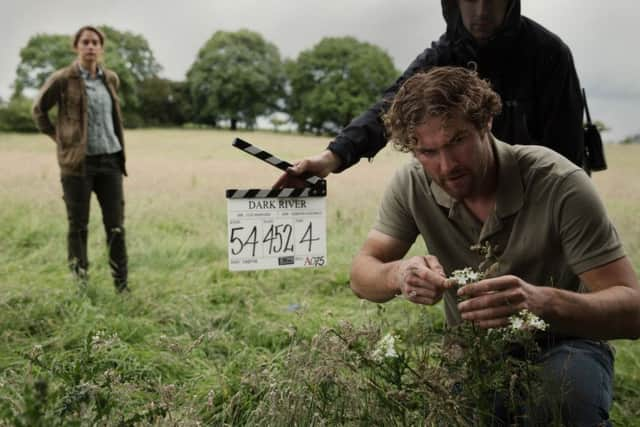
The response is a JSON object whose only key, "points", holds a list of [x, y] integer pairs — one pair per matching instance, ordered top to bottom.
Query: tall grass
{"points": [[182, 348]]}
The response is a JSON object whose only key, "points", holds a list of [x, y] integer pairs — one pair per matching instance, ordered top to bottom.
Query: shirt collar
{"points": [[86, 74], [509, 192]]}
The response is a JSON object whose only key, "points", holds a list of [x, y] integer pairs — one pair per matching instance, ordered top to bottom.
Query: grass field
{"points": [[179, 348]]}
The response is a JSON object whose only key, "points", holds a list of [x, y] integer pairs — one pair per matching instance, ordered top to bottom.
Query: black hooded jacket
{"points": [[528, 66]]}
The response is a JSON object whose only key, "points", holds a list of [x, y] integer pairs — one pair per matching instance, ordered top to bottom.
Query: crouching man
{"points": [[559, 256]]}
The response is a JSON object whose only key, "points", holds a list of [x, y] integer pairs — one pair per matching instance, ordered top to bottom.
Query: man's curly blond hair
{"points": [[441, 92]]}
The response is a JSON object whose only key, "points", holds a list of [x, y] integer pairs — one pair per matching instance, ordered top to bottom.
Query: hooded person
{"points": [[530, 67]]}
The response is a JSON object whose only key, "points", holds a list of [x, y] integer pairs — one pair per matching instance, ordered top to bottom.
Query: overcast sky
{"points": [[600, 34]]}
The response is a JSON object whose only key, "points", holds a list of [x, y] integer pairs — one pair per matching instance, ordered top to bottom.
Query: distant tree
{"points": [[133, 51], [126, 53], [43, 54], [131, 57], [237, 76], [335, 81], [180, 101], [165, 102], [16, 116], [601, 126], [632, 139]]}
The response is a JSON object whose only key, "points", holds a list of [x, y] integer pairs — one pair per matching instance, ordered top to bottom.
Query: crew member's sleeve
{"points": [[560, 105], [365, 135], [588, 237]]}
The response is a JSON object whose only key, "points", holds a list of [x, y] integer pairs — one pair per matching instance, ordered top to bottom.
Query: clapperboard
{"points": [[276, 228]]}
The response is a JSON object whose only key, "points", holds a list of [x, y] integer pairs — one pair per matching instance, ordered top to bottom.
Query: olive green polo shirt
{"points": [[548, 224]]}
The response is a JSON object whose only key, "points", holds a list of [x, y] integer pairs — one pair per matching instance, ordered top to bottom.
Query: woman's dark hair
{"points": [[76, 37]]}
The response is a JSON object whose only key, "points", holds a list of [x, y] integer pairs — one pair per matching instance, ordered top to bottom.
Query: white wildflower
{"points": [[465, 276], [473, 276], [527, 321], [516, 322], [535, 322], [539, 324], [97, 338], [100, 339], [385, 348], [36, 351], [210, 398]]}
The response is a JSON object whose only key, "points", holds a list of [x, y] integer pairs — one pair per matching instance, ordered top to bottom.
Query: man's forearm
{"points": [[372, 279], [607, 314]]}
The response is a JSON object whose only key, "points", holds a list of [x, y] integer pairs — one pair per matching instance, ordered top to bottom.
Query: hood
{"points": [[457, 32]]}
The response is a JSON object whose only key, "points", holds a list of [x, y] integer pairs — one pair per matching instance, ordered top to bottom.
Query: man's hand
{"points": [[319, 165], [421, 279], [491, 301]]}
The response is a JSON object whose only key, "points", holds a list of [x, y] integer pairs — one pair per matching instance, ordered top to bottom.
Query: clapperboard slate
{"points": [[276, 228]]}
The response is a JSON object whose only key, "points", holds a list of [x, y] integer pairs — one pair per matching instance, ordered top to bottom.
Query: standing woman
{"points": [[90, 146]]}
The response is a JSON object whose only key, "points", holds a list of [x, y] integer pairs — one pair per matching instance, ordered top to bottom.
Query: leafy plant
{"points": [[422, 375]]}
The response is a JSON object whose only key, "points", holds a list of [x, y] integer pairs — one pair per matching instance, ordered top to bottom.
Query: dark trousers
{"points": [[104, 177], [580, 371], [578, 387]]}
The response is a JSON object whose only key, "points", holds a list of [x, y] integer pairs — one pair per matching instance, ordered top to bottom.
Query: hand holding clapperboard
{"points": [[276, 228]]}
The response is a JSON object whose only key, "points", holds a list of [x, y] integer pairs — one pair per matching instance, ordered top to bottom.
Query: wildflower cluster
{"points": [[466, 276], [524, 320], [100, 340], [385, 349], [36, 352], [497, 360], [426, 373]]}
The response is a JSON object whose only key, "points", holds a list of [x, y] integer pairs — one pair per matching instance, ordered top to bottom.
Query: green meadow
{"points": [[183, 346]]}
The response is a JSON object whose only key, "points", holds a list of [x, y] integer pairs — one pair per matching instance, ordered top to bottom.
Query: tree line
{"points": [[236, 78]]}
